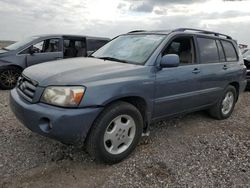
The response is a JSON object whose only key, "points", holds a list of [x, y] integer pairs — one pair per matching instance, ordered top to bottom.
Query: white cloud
{"points": [[112, 17]]}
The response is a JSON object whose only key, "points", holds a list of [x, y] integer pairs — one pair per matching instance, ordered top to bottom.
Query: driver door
{"points": [[46, 50], [177, 88]]}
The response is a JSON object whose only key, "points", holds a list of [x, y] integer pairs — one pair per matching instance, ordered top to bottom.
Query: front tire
{"points": [[9, 77], [225, 105], [115, 133]]}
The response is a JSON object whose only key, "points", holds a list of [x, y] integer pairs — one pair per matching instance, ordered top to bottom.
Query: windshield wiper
{"points": [[113, 59]]}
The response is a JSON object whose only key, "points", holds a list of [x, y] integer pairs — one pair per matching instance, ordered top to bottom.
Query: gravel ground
{"points": [[191, 151]]}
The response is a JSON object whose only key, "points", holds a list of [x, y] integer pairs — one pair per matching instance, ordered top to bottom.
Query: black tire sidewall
{"points": [[103, 123]]}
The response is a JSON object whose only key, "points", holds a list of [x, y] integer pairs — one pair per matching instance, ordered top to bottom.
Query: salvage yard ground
{"points": [[194, 150]]}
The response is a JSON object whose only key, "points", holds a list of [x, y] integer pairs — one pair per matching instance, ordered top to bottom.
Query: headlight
{"points": [[63, 96]]}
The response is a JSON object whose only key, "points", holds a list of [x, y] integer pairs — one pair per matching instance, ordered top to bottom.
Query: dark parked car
{"points": [[39, 49], [244, 51], [246, 57], [109, 100]]}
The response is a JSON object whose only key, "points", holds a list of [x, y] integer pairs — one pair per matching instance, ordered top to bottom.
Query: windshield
{"points": [[19, 44], [135, 49]]}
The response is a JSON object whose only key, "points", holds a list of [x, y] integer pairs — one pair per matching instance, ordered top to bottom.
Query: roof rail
{"points": [[136, 31], [202, 31]]}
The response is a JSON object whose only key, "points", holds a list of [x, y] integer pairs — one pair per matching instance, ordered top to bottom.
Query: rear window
{"points": [[208, 50], [229, 51]]}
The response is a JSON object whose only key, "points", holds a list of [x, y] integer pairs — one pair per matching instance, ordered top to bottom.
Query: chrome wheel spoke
{"points": [[109, 136], [127, 140], [115, 146]]}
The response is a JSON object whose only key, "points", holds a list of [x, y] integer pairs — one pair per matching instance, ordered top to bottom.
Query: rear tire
{"points": [[9, 77], [225, 105], [115, 133]]}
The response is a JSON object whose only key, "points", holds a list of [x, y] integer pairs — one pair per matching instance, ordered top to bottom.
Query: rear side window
{"points": [[95, 44], [208, 50], [229, 51]]}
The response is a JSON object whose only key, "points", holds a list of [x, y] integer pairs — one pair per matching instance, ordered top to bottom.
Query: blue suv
{"points": [[108, 101]]}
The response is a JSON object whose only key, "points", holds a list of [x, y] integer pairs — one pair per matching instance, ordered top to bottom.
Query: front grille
{"points": [[26, 88]]}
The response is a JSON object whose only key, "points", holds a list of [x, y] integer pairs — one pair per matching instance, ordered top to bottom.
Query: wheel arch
{"points": [[12, 66], [236, 85], [140, 103]]}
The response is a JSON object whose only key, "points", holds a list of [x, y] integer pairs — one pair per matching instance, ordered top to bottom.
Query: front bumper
{"points": [[69, 126]]}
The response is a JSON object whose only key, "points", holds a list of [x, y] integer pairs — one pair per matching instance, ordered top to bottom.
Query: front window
{"points": [[19, 44], [48, 45], [45, 46], [184, 48], [135, 49]]}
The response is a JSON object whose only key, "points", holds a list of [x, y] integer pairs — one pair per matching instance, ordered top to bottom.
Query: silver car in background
{"points": [[43, 48]]}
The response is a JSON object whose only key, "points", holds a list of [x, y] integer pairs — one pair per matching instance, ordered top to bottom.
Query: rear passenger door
{"points": [[215, 68]]}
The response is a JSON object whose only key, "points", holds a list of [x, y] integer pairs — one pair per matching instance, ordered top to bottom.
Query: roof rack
{"points": [[186, 29], [137, 31], [202, 31]]}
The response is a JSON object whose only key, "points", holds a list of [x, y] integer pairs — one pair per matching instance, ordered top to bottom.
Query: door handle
{"points": [[225, 67], [196, 71]]}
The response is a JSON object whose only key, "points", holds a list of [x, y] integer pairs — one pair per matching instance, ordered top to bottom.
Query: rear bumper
{"points": [[69, 126]]}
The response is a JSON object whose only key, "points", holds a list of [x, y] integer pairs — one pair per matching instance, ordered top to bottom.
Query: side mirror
{"points": [[31, 50], [170, 60]]}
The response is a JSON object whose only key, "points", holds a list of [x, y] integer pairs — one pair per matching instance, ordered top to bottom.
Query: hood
{"points": [[2, 51], [5, 53], [246, 57], [77, 71]]}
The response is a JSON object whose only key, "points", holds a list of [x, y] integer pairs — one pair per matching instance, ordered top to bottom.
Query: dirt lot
{"points": [[193, 151]]}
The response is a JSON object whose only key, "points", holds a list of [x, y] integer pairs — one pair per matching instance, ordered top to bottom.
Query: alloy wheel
{"points": [[9, 78], [227, 103], [119, 134]]}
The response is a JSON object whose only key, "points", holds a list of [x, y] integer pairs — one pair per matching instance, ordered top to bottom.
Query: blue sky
{"points": [[109, 18]]}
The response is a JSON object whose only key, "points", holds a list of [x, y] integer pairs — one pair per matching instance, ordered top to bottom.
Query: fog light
{"points": [[45, 125]]}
